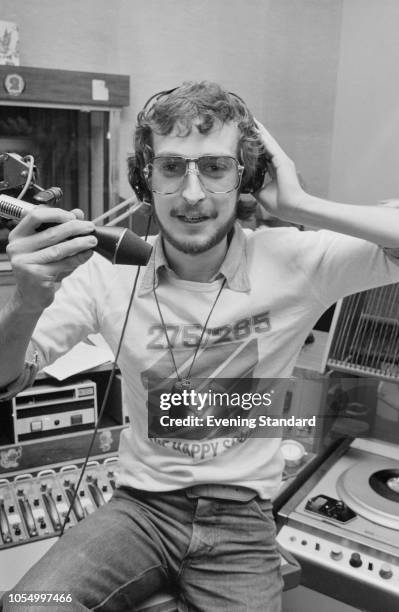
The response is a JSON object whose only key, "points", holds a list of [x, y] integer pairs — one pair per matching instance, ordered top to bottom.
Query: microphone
{"points": [[117, 244]]}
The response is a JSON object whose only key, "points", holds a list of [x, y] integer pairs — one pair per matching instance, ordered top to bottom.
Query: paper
{"points": [[9, 43], [99, 90], [82, 357]]}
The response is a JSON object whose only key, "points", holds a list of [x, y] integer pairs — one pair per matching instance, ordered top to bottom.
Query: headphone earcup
{"points": [[137, 179], [254, 183]]}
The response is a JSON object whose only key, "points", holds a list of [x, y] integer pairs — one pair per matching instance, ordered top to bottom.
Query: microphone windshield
{"points": [[122, 246]]}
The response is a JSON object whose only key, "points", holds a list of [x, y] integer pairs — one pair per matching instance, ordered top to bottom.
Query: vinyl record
{"points": [[386, 483], [371, 488]]}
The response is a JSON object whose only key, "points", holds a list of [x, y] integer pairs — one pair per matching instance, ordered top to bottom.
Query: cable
{"points": [[28, 181], [107, 390]]}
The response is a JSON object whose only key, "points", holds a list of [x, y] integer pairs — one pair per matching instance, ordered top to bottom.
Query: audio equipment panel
{"points": [[50, 410], [33, 506]]}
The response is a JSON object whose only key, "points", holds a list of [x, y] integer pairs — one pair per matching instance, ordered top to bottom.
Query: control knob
{"points": [[336, 554], [355, 560], [385, 571]]}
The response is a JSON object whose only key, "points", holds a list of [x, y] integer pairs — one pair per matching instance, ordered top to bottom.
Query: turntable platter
{"points": [[370, 489]]}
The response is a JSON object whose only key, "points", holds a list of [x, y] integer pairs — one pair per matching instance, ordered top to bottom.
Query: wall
{"points": [[71, 35], [281, 57], [322, 74], [365, 149]]}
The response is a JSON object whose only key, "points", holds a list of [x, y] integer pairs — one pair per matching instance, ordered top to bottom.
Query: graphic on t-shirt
{"points": [[188, 336], [233, 363], [224, 366]]}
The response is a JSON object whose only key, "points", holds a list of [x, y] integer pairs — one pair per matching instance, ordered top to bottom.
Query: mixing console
{"points": [[33, 507]]}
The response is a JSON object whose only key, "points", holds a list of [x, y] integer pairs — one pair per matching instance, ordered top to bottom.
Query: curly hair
{"points": [[203, 104]]}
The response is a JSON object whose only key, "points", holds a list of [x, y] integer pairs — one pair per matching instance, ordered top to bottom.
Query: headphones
{"points": [[137, 162]]}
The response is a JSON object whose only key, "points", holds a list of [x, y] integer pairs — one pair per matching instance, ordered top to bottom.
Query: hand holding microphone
{"points": [[49, 243], [118, 245]]}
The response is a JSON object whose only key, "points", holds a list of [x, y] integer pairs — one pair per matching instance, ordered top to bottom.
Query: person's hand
{"points": [[282, 195], [40, 259]]}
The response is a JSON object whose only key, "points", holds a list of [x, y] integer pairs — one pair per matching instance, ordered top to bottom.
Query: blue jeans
{"points": [[217, 554]]}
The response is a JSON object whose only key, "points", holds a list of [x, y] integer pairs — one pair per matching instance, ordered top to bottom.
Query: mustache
{"points": [[189, 212]]}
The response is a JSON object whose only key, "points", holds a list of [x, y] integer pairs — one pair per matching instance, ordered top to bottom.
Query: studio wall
{"points": [[280, 56], [321, 74], [365, 148]]}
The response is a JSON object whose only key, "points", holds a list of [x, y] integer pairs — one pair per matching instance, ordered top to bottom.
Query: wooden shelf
{"points": [[64, 87]]}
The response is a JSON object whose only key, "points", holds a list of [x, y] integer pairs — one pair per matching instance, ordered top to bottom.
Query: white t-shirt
{"points": [[278, 283]]}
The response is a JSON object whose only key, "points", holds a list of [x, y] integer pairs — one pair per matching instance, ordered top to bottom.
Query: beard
{"points": [[189, 244]]}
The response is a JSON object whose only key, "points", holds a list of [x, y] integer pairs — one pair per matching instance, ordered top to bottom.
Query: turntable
{"points": [[343, 526]]}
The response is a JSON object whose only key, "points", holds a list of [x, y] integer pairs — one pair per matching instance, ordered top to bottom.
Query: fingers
{"points": [[270, 143], [283, 165], [79, 214], [45, 215], [38, 216], [60, 227], [57, 233], [19, 250], [64, 250], [42, 257], [58, 271]]}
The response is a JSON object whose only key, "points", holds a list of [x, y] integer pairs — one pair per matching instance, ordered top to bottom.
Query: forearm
{"points": [[285, 198], [377, 224], [17, 323]]}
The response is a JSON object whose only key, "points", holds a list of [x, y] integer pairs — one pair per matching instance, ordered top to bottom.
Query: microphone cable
{"points": [[107, 391]]}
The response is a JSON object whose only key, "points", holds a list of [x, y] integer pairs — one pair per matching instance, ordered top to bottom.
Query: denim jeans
{"points": [[217, 554]]}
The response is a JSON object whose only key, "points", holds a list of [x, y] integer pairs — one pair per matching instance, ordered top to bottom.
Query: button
{"points": [[85, 391], [76, 419], [36, 425], [104, 488], [59, 497], [36, 502], [11, 509], [336, 554], [355, 560], [385, 571]]}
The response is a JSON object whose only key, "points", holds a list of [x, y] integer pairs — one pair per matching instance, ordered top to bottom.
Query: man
{"points": [[213, 302]]}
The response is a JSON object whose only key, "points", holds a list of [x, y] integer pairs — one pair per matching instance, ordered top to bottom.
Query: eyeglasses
{"points": [[165, 174]]}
